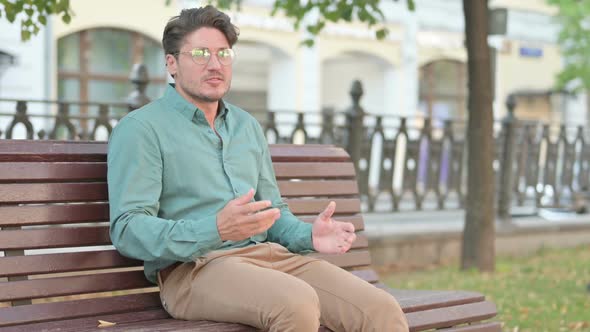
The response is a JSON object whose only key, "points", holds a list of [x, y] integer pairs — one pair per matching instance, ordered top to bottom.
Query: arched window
{"points": [[94, 65], [443, 89]]}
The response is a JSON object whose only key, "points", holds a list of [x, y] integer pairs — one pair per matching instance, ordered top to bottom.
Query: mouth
{"points": [[214, 80]]}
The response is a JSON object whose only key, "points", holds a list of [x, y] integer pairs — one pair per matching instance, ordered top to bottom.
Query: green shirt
{"points": [[169, 175]]}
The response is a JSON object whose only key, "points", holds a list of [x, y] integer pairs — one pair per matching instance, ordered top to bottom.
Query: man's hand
{"points": [[241, 218], [330, 236]]}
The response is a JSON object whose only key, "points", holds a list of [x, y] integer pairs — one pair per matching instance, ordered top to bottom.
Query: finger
{"points": [[246, 198], [254, 206], [328, 211], [255, 218], [262, 222], [267, 223], [346, 226], [351, 238], [347, 245], [344, 247]]}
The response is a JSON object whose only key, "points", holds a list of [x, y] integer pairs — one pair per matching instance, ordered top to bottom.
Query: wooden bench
{"points": [[60, 272]]}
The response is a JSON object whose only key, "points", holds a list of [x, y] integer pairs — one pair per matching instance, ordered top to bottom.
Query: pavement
{"points": [[392, 224], [420, 239]]}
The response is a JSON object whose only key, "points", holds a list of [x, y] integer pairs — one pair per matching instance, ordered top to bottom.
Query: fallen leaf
{"points": [[104, 323], [576, 326]]}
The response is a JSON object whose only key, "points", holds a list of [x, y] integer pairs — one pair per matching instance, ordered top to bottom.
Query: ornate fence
{"points": [[402, 162]]}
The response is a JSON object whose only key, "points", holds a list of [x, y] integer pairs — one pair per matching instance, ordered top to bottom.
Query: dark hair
{"points": [[192, 19]]}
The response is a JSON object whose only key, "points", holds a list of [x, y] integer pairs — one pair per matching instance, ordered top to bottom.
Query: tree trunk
{"points": [[479, 234]]}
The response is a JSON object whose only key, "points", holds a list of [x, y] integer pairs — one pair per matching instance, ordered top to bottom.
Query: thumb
{"points": [[246, 198], [328, 211]]}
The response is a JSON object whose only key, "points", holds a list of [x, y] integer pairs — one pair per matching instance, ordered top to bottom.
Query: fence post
{"points": [[139, 78], [21, 116], [354, 124], [327, 133], [507, 162]]}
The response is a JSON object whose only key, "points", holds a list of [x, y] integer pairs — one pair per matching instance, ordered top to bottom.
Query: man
{"points": [[193, 194]]}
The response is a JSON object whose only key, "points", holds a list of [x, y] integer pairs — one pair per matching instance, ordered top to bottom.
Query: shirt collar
{"points": [[187, 109]]}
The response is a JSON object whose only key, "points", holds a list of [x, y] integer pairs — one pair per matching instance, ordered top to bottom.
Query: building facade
{"points": [[418, 70]]}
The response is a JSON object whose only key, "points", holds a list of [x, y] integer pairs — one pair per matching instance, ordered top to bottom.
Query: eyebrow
{"points": [[210, 49]]}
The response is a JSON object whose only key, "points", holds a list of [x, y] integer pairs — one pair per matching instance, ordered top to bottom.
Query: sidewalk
{"points": [[452, 221], [419, 239]]}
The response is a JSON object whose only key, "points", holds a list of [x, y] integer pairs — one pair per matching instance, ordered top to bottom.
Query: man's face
{"points": [[200, 83]]}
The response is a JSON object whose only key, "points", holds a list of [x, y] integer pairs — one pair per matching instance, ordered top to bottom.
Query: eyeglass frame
{"points": [[206, 50]]}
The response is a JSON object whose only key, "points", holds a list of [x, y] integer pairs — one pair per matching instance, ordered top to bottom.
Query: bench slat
{"points": [[49, 150], [92, 151], [307, 153], [293, 170], [97, 171], [52, 172], [317, 188], [53, 192], [80, 192], [315, 206], [53, 214], [28, 215], [356, 220], [54, 237], [59, 237], [362, 241], [352, 258], [83, 261], [64, 262], [367, 275], [63, 286], [49, 287], [420, 300], [43, 312], [450, 316], [152, 320], [89, 323], [172, 325], [176, 325], [483, 327]]}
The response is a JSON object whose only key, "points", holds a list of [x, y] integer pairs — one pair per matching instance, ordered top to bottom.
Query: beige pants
{"points": [[270, 288]]}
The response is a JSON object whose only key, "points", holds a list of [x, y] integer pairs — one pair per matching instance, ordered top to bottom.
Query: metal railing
{"points": [[402, 162]]}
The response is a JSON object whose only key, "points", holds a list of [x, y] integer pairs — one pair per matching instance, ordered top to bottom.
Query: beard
{"points": [[208, 98]]}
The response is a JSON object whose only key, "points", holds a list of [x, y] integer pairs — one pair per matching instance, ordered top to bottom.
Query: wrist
{"points": [[314, 241]]}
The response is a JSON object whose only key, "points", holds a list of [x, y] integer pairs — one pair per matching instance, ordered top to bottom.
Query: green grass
{"points": [[542, 292]]}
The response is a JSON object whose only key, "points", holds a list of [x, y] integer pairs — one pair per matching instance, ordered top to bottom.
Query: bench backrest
{"points": [[54, 227]]}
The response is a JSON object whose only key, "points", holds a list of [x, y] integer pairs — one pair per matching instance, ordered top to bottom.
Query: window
{"points": [[94, 65], [443, 89]]}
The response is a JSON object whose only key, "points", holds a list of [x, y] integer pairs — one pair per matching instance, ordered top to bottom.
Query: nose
{"points": [[214, 62]]}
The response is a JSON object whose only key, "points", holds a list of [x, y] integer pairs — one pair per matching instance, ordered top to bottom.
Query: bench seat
{"points": [[60, 272]]}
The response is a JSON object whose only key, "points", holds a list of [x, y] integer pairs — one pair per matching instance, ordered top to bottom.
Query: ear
{"points": [[171, 64]]}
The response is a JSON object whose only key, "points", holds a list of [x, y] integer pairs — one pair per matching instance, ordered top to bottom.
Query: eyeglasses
{"points": [[201, 56]]}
